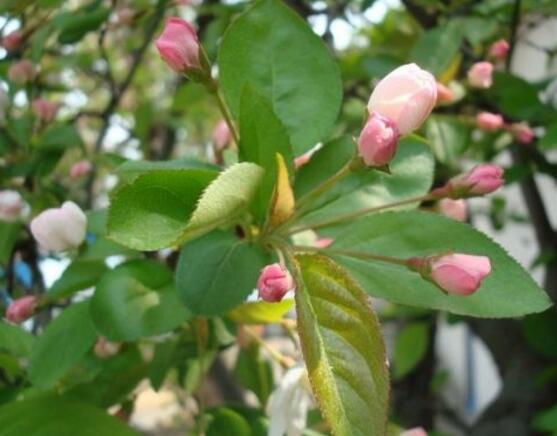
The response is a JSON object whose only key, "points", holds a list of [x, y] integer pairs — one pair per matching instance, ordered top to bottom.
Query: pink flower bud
{"points": [[12, 41], [178, 45], [499, 49], [21, 72], [480, 75], [444, 94], [406, 95], [44, 110], [489, 122], [522, 133], [221, 135], [378, 141], [303, 159], [80, 169], [480, 180], [11, 205], [455, 209], [60, 229], [323, 242], [459, 274], [274, 282], [21, 309], [104, 349], [417, 431]]}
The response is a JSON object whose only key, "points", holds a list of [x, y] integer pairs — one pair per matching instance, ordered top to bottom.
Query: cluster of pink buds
{"points": [[398, 105], [491, 122]]}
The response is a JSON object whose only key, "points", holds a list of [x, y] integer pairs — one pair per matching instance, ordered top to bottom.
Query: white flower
{"points": [[11, 205], [289, 403]]}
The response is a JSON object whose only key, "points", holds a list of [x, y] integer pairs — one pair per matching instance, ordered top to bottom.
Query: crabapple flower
{"points": [[12, 41], [178, 45], [499, 49], [21, 72], [480, 75], [444, 93], [406, 96], [44, 110], [489, 122], [522, 132], [221, 135], [378, 141], [80, 169], [480, 180], [11, 205], [455, 209], [60, 229], [456, 274], [274, 282], [21, 309], [104, 349], [289, 403]]}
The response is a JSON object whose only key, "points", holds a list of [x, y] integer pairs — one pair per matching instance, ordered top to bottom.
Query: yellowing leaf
{"points": [[283, 197], [260, 312]]}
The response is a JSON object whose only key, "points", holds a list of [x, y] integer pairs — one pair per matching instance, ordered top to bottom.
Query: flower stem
{"points": [[214, 88], [359, 213], [354, 253], [284, 361]]}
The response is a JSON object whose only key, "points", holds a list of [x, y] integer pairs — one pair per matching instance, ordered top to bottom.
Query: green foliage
{"points": [[271, 48], [436, 48], [262, 137], [153, 211], [9, 232], [80, 274], [207, 276], [508, 291], [136, 299], [260, 312], [74, 329], [15, 340], [410, 347], [343, 348], [60, 416]]}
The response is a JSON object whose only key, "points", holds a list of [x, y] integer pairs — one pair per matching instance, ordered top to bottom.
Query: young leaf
{"points": [[271, 48], [262, 137], [226, 198], [282, 205], [153, 211], [217, 272], [80, 274], [508, 291], [136, 299], [260, 312], [343, 348], [49, 361], [60, 416]]}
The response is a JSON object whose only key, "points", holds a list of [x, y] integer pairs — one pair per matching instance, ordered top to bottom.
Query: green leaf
{"points": [[75, 25], [477, 29], [271, 48], [436, 48], [517, 98], [58, 137], [262, 137], [448, 138], [549, 139], [129, 170], [411, 175], [225, 199], [153, 211], [9, 233], [217, 272], [79, 275], [508, 291], [136, 299], [260, 312], [535, 328], [15, 340], [63, 343], [343, 348], [410, 348], [163, 359], [254, 373], [58, 416], [225, 421], [546, 421]]}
